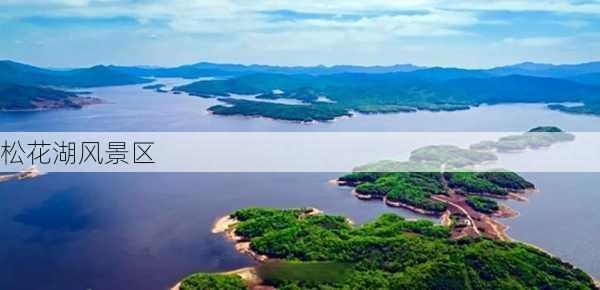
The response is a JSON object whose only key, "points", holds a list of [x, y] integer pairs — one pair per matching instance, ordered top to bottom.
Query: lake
{"points": [[146, 231]]}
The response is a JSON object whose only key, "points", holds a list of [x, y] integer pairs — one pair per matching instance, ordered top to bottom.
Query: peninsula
{"points": [[435, 89], [440, 181], [311, 250]]}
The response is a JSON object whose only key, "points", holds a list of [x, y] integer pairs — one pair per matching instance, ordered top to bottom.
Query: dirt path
{"points": [[464, 211]]}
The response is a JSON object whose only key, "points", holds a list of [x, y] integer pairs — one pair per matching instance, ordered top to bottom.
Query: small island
{"points": [[159, 88], [588, 108], [538, 137], [306, 249]]}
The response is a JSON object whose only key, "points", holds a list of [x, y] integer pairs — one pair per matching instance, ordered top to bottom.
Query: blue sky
{"points": [[68, 33]]}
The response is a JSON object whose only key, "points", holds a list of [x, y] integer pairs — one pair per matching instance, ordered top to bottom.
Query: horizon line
{"points": [[418, 66]]}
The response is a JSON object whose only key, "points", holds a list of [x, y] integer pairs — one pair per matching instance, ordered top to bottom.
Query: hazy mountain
{"points": [[205, 69], [547, 70], [97, 76], [590, 78], [361, 88]]}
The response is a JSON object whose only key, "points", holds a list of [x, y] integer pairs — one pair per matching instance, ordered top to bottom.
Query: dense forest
{"points": [[433, 89], [416, 188], [482, 204], [394, 253], [212, 281]]}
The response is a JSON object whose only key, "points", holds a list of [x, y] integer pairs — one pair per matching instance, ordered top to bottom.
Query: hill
{"points": [[205, 69], [547, 70], [97, 76], [432, 89], [19, 98], [389, 253]]}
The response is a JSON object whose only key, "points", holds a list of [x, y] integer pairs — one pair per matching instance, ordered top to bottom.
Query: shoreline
{"points": [[45, 106], [28, 173], [399, 204], [225, 225], [496, 229], [248, 275]]}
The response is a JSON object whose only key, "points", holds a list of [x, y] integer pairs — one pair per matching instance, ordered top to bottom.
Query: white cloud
{"points": [[228, 16], [574, 23], [241, 31], [535, 41]]}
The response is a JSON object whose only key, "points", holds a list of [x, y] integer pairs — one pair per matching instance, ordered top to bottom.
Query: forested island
{"points": [[433, 89], [538, 137], [441, 180], [310, 250]]}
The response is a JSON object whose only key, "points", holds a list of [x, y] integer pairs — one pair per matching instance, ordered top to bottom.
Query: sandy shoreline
{"points": [[226, 225], [248, 274]]}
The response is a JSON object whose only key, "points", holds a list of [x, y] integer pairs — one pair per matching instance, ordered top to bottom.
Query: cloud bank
{"points": [[425, 32]]}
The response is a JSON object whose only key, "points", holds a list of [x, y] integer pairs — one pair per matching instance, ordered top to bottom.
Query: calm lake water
{"points": [[146, 231]]}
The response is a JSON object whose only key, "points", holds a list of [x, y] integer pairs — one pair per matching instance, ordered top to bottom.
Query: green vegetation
{"points": [[96, 76], [25, 87], [156, 87], [350, 88], [429, 89], [18, 97], [586, 109], [322, 112], [547, 129], [537, 137], [451, 156], [399, 166], [506, 179], [495, 183], [412, 188], [416, 188], [482, 204], [394, 253], [281, 272], [202, 281]]}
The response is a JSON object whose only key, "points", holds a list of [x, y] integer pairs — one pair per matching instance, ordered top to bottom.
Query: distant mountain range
{"points": [[205, 69], [548, 70], [111, 75], [96, 76], [362, 88], [433, 89]]}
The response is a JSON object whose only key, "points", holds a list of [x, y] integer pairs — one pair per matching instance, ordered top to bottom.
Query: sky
{"points": [[470, 34]]}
